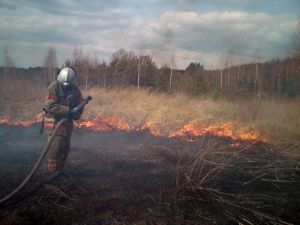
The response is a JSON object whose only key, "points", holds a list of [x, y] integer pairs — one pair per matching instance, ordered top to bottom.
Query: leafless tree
{"points": [[241, 61], [83, 64], [140, 64], [222, 65], [228, 65], [49, 66], [173, 66], [96, 68], [8, 70], [103, 71], [257, 78]]}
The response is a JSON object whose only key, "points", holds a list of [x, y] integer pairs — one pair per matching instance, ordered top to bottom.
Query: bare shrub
{"points": [[23, 99], [248, 184]]}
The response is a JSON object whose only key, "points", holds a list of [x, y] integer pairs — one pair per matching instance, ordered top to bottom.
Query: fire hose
{"points": [[42, 156]]}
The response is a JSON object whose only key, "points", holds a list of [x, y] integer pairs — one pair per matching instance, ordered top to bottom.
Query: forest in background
{"points": [[277, 78]]}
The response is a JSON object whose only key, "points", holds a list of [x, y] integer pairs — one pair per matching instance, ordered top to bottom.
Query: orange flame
{"points": [[36, 119], [4, 121], [105, 124], [151, 128], [196, 130], [191, 131]]}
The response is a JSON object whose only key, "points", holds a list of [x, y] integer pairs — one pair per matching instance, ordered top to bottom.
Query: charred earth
{"points": [[119, 177]]}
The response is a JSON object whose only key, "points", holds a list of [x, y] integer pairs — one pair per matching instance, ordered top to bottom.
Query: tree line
{"points": [[274, 78]]}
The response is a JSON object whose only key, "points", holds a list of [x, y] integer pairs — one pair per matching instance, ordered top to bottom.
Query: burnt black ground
{"points": [[110, 178]]}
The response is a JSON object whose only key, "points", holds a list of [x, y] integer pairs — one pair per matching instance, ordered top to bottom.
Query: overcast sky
{"points": [[192, 30]]}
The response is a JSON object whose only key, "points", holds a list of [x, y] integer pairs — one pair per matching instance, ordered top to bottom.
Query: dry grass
{"points": [[21, 99], [167, 112], [278, 120], [281, 121], [251, 184]]}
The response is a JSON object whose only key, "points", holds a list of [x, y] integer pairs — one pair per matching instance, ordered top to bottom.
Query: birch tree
{"points": [[139, 68], [171, 71], [257, 79]]}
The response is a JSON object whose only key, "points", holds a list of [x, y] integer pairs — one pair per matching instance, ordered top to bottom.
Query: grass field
{"points": [[277, 121]]}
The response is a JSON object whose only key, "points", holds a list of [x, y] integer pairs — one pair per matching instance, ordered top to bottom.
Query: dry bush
{"points": [[21, 99], [281, 121], [249, 184]]}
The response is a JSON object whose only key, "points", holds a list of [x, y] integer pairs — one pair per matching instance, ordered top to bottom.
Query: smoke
{"points": [[20, 147], [90, 152]]}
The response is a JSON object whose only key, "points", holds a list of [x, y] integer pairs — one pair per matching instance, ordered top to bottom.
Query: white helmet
{"points": [[67, 77]]}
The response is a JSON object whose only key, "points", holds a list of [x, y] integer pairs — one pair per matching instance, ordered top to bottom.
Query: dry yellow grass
{"points": [[21, 99], [167, 112], [278, 120], [281, 121]]}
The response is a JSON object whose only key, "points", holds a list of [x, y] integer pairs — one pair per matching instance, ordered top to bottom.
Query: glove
{"points": [[74, 114]]}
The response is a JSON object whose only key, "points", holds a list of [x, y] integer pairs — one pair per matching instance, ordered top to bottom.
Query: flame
{"points": [[36, 119], [4, 121], [105, 124], [151, 128], [195, 130], [191, 131]]}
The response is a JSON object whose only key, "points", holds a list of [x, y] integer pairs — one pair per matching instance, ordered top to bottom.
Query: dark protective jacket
{"points": [[58, 105]]}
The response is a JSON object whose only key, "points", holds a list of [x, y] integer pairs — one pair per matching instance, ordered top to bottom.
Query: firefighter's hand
{"points": [[74, 114], [76, 117]]}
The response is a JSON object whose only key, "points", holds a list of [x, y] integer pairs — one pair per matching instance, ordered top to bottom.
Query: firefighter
{"points": [[63, 96]]}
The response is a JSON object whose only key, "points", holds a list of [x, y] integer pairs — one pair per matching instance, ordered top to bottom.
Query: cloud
{"points": [[274, 6], [62, 7], [36, 24], [102, 27], [220, 31]]}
